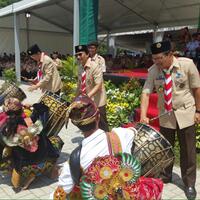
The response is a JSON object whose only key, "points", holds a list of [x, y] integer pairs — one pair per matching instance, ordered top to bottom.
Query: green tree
{"points": [[4, 3]]}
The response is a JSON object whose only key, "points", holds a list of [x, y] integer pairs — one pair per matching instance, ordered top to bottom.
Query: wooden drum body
{"points": [[11, 90], [57, 111], [152, 149]]}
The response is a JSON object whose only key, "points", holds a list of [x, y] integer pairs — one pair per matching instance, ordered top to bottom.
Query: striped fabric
{"points": [[39, 72], [83, 82], [168, 91]]}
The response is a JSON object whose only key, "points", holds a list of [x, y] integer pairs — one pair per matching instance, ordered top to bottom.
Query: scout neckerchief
{"points": [[39, 72], [83, 81], [168, 90]]}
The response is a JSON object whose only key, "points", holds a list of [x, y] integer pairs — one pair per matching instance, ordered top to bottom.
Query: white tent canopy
{"points": [[114, 15], [51, 18], [51, 22]]}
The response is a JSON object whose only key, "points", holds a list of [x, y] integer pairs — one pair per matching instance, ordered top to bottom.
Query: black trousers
{"points": [[103, 123], [187, 142]]}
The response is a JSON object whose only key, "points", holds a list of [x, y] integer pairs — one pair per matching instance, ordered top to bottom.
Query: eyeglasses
{"points": [[78, 54]]}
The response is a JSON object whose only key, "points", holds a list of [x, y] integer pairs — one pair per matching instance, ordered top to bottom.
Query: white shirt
{"points": [[95, 146]]}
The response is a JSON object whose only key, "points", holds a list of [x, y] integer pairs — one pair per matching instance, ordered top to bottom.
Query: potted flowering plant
{"points": [[69, 74], [122, 101]]}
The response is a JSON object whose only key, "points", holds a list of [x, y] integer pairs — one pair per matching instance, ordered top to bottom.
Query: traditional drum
{"points": [[11, 90], [57, 111], [152, 149]]}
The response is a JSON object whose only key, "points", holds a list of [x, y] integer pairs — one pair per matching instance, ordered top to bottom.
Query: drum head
{"points": [[152, 149]]}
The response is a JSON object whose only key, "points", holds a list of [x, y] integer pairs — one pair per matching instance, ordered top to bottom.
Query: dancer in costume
{"points": [[24, 151], [102, 167]]}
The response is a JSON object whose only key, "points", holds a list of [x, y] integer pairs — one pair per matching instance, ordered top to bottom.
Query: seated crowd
{"points": [[183, 44], [28, 65]]}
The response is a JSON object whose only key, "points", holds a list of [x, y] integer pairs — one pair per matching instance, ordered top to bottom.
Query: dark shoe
{"points": [[17, 190], [190, 193]]}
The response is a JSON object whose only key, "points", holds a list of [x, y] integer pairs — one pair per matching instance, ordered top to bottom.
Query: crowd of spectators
{"points": [[183, 43], [186, 44], [121, 61], [125, 61], [28, 65]]}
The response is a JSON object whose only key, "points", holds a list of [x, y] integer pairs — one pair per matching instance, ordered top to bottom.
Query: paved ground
{"points": [[43, 186]]}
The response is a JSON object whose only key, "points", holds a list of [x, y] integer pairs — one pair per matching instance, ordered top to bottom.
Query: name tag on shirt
{"points": [[160, 77]]}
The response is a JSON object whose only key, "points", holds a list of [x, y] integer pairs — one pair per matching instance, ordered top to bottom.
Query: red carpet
{"points": [[135, 73], [151, 113]]}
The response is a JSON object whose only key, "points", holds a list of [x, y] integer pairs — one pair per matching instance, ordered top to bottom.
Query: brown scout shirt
{"points": [[100, 61], [58, 63], [94, 76], [185, 76], [51, 80]]}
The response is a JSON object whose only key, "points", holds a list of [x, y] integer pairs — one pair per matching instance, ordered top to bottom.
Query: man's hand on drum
{"points": [[197, 118], [144, 119]]}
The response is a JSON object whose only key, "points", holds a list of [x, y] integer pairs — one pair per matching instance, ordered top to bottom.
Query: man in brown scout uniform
{"points": [[57, 60], [99, 60], [48, 78], [91, 83], [177, 83]]}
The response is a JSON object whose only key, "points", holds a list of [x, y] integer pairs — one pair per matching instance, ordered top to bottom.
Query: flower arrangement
{"points": [[69, 90], [121, 102], [110, 177], [118, 177]]}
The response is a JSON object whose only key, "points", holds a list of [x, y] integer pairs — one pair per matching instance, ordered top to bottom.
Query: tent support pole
{"points": [[76, 25], [157, 36], [111, 45], [17, 49]]}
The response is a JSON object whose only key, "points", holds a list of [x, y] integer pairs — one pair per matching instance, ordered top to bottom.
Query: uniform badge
{"points": [[158, 45], [80, 47], [178, 75], [160, 77], [182, 85], [160, 89]]}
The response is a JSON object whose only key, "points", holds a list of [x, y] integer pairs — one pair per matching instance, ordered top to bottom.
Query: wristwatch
{"points": [[197, 111]]}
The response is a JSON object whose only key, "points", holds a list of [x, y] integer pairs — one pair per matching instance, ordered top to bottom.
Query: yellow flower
{"points": [[105, 173], [126, 174], [100, 192]]}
